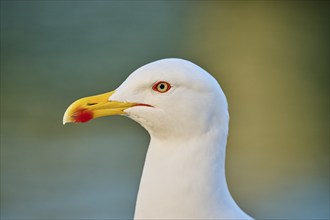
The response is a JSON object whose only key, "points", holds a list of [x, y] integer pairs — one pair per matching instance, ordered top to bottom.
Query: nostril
{"points": [[89, 104]]}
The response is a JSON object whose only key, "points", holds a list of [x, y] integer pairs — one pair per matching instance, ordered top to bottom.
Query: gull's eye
{"points": [[161, 87]]}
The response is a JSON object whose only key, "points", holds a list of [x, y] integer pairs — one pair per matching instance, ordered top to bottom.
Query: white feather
{"points": [[184, 171]]}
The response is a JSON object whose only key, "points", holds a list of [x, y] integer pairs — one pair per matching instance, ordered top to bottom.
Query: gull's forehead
{"points": [[173, 70]]}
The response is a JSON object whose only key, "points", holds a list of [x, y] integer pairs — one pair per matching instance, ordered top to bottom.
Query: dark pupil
{"points": [[162, 86]]}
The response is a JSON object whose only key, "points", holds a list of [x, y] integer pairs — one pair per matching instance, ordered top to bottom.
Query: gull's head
{"points": [[170, 98]]}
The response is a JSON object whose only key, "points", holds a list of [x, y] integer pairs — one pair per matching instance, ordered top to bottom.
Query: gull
{"points": [[185, 112]]}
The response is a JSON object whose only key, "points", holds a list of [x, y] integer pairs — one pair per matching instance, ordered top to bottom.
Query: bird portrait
{"points": [[185, 112]]}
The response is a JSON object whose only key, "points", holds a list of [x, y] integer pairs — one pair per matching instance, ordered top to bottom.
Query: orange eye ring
{"points": [[161, 87]]}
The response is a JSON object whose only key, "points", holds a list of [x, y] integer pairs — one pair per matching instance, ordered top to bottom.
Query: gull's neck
{"points": [[185, 179]]}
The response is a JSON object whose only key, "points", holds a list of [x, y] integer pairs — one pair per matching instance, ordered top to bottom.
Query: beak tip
{"points": [[66, 118], [64, 121]]}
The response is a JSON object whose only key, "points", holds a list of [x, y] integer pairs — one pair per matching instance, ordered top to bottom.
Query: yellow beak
{"points": [[87, 108]]}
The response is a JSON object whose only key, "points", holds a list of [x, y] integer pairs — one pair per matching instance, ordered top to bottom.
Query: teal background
{"points": [[270, 57]]}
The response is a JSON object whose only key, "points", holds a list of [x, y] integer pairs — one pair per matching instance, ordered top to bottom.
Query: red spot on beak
{"points": [[82, 115]]}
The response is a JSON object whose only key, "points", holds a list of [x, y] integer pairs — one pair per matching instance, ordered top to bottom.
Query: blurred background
{"points": [[270, 57]]}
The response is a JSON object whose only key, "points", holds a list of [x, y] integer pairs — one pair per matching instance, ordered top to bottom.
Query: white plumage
{"points": [[184, 171]]}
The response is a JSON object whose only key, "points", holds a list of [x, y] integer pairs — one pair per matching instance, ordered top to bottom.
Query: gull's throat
{"points": [[186, 180]]}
